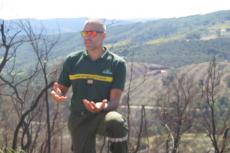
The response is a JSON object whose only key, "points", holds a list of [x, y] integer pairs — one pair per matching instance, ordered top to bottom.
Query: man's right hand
{"points": [[57, 93]]}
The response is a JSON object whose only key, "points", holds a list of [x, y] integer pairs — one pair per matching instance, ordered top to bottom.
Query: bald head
{"points": [[94, 25], [94, 35]]}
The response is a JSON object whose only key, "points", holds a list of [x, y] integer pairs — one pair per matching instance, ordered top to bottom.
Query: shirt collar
{"points": [[105, 53], [102, 56]]}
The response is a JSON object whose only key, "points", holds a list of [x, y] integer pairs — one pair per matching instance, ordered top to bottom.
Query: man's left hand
{"points": [[95, 107]]}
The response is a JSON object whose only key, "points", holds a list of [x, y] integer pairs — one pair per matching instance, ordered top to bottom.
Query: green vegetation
{"points": [[170, 42], [190, 142], [9, 150]]}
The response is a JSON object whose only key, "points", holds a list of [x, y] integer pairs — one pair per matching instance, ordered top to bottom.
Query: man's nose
{"points": [[87, 37]]}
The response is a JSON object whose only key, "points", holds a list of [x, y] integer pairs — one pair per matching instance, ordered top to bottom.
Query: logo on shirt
{"points": [[107, 71]]}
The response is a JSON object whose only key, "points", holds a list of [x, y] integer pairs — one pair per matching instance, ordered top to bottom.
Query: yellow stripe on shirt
{"points": [[91, 76]]}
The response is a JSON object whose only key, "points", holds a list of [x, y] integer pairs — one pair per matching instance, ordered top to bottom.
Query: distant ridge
{"points": [[64, 25], [172, 42]]}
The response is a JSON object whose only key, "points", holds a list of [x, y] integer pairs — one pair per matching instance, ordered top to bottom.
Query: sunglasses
{"points": [[90, 34]]}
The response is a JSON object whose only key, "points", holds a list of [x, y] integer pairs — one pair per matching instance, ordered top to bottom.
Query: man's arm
{"points": [[113, 103]]}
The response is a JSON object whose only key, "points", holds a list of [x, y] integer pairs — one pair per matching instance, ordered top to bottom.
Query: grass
{"points": [[224, 25], [165, 39], [119, 44], [190, 143], [9, 150]]}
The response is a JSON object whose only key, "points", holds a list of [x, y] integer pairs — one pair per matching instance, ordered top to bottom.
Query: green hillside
{"points": [[177, 41], [170, 42]]}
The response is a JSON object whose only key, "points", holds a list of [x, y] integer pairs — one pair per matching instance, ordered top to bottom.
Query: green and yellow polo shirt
{"points": [[92, 80]]}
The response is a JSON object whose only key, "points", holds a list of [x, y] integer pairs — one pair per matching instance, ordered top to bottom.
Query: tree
{"points": [[8, 44], [28, 92], [176, 109], [215, 119]]}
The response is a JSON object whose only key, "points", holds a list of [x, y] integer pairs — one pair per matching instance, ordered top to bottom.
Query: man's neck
{"points": [[96, 53]]}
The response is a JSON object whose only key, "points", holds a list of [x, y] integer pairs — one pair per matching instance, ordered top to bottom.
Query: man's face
{"points": [[93, 35]]}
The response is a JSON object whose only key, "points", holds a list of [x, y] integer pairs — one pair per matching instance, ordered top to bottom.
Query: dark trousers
{"points": [[83, 130]]}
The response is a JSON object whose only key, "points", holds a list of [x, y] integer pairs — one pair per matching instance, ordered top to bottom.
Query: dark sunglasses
{"points": [[91, 34]]}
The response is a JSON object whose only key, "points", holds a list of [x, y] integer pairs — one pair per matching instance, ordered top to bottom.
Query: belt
{"points": [[81, 113]]}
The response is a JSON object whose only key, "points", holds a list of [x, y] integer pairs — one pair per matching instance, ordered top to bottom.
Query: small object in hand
{"points": [[98, 105]]}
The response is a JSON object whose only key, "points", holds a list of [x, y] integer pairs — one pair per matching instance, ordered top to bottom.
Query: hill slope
{"points": [[170, 42], [148, 85]]}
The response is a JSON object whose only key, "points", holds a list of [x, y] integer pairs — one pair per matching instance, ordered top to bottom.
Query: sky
{"points": [[109, 9]]}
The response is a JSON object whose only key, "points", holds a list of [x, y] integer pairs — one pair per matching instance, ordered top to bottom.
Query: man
{"points": [[97, 77]]}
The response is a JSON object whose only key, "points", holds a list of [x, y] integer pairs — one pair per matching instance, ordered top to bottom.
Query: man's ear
{"points": [[104, 35]]}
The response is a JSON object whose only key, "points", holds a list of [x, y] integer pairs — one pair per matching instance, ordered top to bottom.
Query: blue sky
{"points": [[110, 9]]}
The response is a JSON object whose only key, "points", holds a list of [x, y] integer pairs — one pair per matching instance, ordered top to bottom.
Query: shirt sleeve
{"points": [[64, 76], [119, 76]]}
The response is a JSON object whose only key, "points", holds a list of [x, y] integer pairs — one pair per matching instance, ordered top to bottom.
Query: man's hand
{"points": [[57, 94], [95, 107]]}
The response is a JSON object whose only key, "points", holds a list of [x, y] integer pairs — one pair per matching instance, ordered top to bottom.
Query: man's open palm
{"points": [[57, 94], [95, 107]]}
